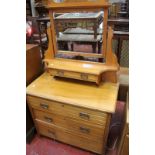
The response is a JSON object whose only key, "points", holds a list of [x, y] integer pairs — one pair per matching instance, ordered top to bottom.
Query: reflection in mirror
{"points": [[66, 1], [79, 35]]}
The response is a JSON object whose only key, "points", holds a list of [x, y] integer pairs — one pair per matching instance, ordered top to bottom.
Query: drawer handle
{"points": [[60, 73], [84, 76], [44, 106], [84, 115], [48, 119], [84, 130]]}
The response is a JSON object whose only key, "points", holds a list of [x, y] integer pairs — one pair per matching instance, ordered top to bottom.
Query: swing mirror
{"points": [[78, 29], [79, 35]]}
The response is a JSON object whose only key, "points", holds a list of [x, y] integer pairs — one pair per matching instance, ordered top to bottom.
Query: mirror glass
{"points": [[79, 35]]}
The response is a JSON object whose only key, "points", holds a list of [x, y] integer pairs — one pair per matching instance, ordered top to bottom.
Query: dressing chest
{"points": [[73, 100], [74, 113]]}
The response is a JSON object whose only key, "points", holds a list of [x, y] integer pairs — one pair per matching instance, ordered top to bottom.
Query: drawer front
{"points": [[75, 75], [78, 113], [95, 132], [70, 138]]}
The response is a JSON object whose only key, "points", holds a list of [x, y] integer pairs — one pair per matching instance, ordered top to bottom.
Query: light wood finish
{"points": [[72, 6], [53, 31], [50, 46], [111, 58], [79, 66], [82, 70], [75, 75], [110, 76], [102, 98], [71, 112], [86, 115], [86, 130], [70, 138]]}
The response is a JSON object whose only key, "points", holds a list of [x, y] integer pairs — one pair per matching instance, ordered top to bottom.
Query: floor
{"points": [[45, 146]]}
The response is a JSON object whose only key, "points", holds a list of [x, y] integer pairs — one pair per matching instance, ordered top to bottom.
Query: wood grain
{"points": [[53, 30], [49, 53], [111, 58], [80, 66], [75, 68], [74, 75], [101, 98], [90, 116], [83, 129], [70, 138]]}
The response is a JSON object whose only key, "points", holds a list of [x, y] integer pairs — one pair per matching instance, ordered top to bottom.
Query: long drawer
{"points": [[74, 75], [91, 116], [95, 132], [70, 138]]}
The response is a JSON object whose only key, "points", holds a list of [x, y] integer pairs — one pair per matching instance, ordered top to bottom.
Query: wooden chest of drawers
{"points": [[72, 113]]}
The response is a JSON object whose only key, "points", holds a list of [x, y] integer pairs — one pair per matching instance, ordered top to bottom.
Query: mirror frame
{"points": [[71, 7]]}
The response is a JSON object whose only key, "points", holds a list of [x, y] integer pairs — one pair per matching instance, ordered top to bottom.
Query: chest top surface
{"points": [[80, 66], [101, 98]]}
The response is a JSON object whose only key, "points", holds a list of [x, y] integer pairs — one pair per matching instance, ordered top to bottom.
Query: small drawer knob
{"points": [[44, 106], [84, 115], [84, 130]]}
